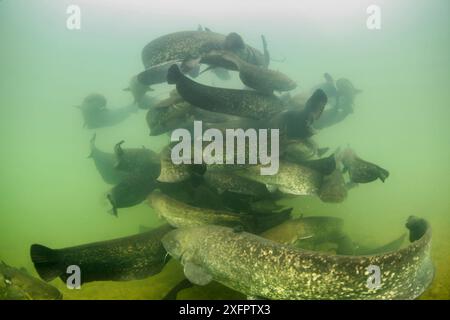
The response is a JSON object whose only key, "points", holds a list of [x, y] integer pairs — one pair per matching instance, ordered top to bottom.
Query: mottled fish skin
{"points": [[182, 45], [179, 46], [256, 77], [243, 103], [174, 116], [297, 150], [174, 173], [291, 178], [225, 180], [333, 188], [179, 214], [306, 229], [312, 232], [128, 258], [259, 267], [16, 284]]}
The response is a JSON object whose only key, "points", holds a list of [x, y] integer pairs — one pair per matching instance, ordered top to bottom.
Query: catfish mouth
{"points": [[173, 245]]}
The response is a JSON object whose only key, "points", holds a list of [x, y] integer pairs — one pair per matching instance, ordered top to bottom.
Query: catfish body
{"points": [[179, 46], [254, 76], [243, 103], [97, 115], [105, 163], [361, 171], [291, 178], [131, 191], [180, 215], [128, 258], [258, 267], [17, 284]]}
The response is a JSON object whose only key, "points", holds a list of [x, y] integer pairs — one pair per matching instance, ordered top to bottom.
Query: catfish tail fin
{"points": [[46, 261]]}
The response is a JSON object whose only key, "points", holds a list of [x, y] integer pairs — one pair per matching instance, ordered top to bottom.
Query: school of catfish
{"points": [[223, 222]]}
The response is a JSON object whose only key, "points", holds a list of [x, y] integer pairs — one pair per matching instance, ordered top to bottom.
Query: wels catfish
{"points": [[188, 46], [188, 49], [256, 77], [243, 103], [97, 115], [174, 116], [298, 124], [298, 150], [137, 160], [105, 163], [361, 171], [174, 173], [291, 178], [225, 180], [333, 188], [131, 191], [180, 214], [298, 231], [316, 232], [312, 233], [128, 258], [258, 267], [17, 284]]}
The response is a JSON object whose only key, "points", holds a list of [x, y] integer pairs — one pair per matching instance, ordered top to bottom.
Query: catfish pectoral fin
{"points": [[196, 274]]}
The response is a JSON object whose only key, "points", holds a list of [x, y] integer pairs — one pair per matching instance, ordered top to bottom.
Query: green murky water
{"points": [[51, 193]]}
